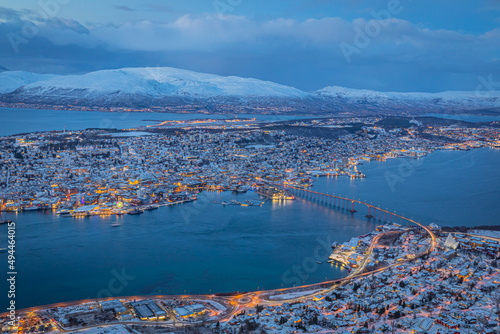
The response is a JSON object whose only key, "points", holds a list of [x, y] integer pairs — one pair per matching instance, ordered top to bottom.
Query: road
{"points": [[251, 299], [240, 302]]}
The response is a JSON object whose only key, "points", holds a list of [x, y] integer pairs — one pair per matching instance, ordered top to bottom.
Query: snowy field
{"points": [[127, 134], [492, 234], [294, 295], [215, 305], [116, 329]]}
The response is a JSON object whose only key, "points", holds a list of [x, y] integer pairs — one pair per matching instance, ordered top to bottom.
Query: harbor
{"points": [[200, 231]]}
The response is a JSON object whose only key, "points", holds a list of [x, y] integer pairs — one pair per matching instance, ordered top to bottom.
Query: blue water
{"points": [[467, 118], [18, 120], [446, 187], [203, 247], [194, 248]]}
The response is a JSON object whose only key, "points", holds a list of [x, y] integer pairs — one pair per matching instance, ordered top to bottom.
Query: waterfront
{"points": [[19, 120], [202, 247]]}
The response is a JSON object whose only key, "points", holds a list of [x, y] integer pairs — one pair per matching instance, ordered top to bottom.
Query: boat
{"points": [[240, 190], [234, 202], [224, 203], [244, 204], [151, 207], [31, 208], [63, 212], [135, 212], [115, 225], [318, 262]]}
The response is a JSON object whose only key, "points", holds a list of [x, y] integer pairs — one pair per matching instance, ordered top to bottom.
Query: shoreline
{"points": [[349, 277]]}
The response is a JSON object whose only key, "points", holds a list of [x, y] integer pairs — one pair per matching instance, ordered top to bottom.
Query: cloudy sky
{"points": [[386, 45]]}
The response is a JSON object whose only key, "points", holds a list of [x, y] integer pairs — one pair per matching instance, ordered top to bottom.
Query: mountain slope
{"points": [[12, 80], [159, 82], [165, 86], [444, 101]]}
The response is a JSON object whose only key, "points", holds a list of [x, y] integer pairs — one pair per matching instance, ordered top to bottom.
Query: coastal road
{"points": [[240, 302]]}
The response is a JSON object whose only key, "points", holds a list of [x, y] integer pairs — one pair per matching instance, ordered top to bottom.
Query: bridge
{"points": [[349, 205], [238, 302]]}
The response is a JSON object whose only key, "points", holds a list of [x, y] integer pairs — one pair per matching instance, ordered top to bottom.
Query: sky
{"points": [[384, 45]]}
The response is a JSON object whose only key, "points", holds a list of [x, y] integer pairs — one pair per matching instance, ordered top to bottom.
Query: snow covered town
{"points": [[99, 172], [400, 278], [401, 284]]}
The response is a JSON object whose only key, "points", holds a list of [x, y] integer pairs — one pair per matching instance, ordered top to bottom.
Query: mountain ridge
{"points": [[143, 87]]}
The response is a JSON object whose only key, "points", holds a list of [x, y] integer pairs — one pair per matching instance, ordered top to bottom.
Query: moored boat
{"points": [[135, 212]]}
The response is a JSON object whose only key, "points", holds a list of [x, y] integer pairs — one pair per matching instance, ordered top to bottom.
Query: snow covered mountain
{"points": [[12, 80], [155, 83], [147, 87], [424, 102]]}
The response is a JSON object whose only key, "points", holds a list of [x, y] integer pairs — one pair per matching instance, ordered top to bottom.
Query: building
{"points": [[115, 305], [148, 310], [189, 311]]}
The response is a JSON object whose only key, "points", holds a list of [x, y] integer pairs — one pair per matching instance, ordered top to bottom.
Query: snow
{"points": [[12, 80], [165, 81], [128, 85], [336, 91], [430, 101], [127, 134], [488, 233], [293, 295], [216, 305], [116, 329]]}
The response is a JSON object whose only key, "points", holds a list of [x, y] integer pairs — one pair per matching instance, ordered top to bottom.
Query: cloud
{"points": [[124, 8], [159, 8], [303, 53]]}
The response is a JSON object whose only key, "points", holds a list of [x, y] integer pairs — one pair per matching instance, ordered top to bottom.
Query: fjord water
{"points": [[19, 120], [203, 247]]}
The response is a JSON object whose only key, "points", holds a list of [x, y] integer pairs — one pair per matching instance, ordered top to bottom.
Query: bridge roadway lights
{"points": [[342, 203]]}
